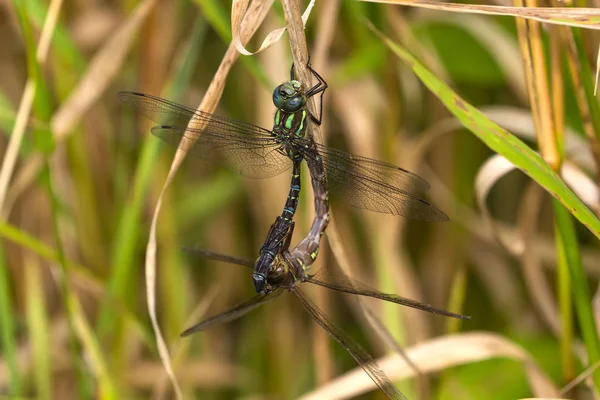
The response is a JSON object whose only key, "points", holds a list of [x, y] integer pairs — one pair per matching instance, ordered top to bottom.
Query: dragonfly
{"points": [[257, 152], [287, 274]]}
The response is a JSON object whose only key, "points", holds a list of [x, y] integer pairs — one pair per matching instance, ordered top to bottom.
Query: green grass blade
{"points": [[500, 140], [29, 242], [564, 289], [581, 293], [38, 328], [7, 329], [83, 337]]}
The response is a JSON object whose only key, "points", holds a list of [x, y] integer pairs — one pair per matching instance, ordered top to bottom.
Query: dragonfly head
{"points": [[289, 96], [261, 267], [270, 272]]}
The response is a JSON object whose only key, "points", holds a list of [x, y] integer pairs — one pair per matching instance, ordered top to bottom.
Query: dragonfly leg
{"points": [[292, 69], [321, 84], [320, 87], [271, 231], [288, 238]]}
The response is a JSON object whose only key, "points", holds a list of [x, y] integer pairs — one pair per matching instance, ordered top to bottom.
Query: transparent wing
{"points": [[246, 148], [373, 185], [211, 255], [336, 279], [234, 312], [361, 356]]}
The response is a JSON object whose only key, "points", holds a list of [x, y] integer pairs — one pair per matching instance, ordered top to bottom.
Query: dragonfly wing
{"points": [[161, 111], [246, 148], [374, 185], [211, 255], [337, 280], [234, 312], [364, 359]]}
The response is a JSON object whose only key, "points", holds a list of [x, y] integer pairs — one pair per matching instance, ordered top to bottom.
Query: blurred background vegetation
{"points": [[77, 209]]}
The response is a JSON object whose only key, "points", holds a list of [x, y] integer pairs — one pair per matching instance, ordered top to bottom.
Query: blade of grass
{"points": [[579, 17], [35, 56], [101, 71], [499, 139], [549, 140], [567, 241], [76, 273], [565, 301], [76, 317], [7, 328], [38, 328], [436, 355]]}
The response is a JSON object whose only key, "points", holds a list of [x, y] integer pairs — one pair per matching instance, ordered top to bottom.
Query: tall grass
{"points": [[427, 90]]}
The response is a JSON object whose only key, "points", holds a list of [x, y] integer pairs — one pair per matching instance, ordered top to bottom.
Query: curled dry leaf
{"points": [[239, 9], [497, 166], [488, 175], [437, 355]]}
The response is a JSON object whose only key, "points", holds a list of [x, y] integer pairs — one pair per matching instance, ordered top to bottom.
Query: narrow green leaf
{"points": [[498, 139], [567, 238], [38, 328], [7, 329]]}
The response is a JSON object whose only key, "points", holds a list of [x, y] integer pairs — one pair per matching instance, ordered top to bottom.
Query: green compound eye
{"points": [[288, 96]]}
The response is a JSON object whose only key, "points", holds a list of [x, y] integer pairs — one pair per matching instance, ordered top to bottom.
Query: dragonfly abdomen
{"points": [[275, 239], [305, 253]]}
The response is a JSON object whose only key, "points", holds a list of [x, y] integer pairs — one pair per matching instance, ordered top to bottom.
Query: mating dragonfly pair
{"points": [[260, 153]]}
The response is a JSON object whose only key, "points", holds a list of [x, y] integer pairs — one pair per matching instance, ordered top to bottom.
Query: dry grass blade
{"points": [[239, 9], [577, 17], [249, 25], [105, 66], [597, 70], [16, 137], [437, 355], [580, 378]]}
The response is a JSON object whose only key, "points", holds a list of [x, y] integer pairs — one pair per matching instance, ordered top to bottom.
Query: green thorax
{"points": [[290, 124]]}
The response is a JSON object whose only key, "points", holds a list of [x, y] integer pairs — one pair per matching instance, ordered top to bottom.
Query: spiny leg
{"points": [[320, 87]]}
